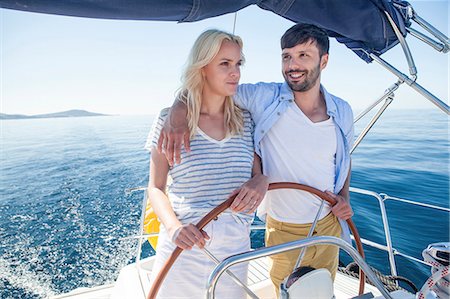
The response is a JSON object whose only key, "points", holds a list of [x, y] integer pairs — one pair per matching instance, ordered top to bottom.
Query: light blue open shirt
{"points": [[266, 103]]}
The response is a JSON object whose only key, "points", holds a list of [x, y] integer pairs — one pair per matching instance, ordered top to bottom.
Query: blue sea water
{"points": [[65, 218]]}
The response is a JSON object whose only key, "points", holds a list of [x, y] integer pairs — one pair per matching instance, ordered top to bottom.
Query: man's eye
{"points": [[224, 63]]}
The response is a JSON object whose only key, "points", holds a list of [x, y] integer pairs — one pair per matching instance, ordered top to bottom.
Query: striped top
{"points": [[210, 172]]}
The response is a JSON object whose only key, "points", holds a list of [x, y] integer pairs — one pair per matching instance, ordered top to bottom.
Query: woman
{"points": [[220, 163]]}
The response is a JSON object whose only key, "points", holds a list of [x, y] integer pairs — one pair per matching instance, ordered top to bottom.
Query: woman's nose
{"points": [[236, 71]]}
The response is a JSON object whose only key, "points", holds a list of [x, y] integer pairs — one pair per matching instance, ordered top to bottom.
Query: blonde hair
{"points": [[202, 53]]}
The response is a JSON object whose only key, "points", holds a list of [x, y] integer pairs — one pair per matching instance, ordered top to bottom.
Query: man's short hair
{"points": [[302, 33]]}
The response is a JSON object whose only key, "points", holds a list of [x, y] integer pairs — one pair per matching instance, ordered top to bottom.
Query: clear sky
{"points": [[54, 63]]}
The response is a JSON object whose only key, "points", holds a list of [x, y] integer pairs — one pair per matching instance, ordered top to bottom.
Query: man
{"points": [[303, 134]]}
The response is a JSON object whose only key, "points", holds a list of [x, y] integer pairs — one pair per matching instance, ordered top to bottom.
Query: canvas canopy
{"points": [[361, 25]]}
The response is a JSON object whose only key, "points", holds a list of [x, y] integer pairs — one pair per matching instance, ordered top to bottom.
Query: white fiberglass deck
{"points": [[129, 286]]}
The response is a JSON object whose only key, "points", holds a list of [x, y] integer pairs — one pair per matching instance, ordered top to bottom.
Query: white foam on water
{"points": [[110, 260], [20, 276]]}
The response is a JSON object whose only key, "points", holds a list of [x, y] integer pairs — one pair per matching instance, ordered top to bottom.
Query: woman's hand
{"points": [[250, 194], [187, 235]]}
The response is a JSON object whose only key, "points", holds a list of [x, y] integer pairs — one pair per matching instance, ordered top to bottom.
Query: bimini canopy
{"points": [[362, 25]]}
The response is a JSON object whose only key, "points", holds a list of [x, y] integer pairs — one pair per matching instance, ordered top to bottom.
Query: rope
{"points": [[439, 280], [389, 281]]}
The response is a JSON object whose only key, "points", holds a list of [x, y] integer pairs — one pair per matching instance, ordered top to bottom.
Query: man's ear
{"points": [[323, 61]]}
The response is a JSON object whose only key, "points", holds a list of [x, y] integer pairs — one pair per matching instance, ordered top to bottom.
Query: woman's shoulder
{"points": [[164, 112], [162, 115], [247, 117]]}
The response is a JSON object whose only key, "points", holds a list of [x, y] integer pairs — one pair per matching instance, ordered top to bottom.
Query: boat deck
{"points": [[128, 284]]}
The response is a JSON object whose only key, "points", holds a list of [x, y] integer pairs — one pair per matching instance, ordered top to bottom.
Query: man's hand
{"points": [[174, 134], [250, 194], [342, 208], [187, 235]]}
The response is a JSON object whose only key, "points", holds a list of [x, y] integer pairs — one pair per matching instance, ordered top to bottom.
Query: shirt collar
{"points": [[286, 94], [331, 105]]}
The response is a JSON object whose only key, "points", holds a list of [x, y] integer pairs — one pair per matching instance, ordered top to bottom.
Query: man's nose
{"points": [[294, 63]]}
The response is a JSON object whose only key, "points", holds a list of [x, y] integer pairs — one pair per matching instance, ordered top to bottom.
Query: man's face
{"points": [[302, 66]]}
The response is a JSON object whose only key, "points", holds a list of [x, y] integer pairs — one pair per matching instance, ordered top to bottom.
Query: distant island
{"points": [[69, 113]]}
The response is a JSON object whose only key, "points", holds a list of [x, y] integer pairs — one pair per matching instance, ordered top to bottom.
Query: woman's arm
{"points": [[252, 192], [184, 236]]}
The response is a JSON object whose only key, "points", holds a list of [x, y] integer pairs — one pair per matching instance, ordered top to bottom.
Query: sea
{"points": [[66, 220]]}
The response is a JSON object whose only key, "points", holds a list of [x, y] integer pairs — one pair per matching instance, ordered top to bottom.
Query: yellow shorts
{"points": [[319, 256]]}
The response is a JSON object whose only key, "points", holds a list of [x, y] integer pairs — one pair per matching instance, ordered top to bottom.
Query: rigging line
{"points": [[234, 23]]}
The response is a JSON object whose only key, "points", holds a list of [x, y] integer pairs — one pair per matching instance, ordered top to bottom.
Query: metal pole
{"points": [[428, 27], [429, 41], [404, 44], [388, 93], [441, 105], [371, 123], [141, 228], [311, 231], [387, 233], [262, 252], [234, 277]]}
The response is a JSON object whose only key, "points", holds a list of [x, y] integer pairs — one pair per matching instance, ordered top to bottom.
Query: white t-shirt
{"points": [[301, 151]]}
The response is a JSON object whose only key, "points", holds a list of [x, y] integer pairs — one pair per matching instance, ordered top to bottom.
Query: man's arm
{"points": [[175, 133], [342, 209]]}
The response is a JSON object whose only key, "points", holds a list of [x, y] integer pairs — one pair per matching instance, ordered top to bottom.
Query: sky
{"points": [[54, 63]]}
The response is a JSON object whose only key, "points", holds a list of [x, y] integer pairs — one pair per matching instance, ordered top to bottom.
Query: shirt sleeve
{"points": [[246, 96], [255, 98], [155, 131], [350, 134]]}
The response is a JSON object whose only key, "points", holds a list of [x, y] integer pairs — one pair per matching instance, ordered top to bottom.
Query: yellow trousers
{"points": [[318, 256]]}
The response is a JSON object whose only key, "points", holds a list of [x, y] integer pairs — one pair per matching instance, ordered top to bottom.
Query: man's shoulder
{"points": [[261, 86], [341, 104], [342, 110]]}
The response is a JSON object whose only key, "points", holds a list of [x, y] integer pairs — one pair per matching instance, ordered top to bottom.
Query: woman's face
{"points": [[222, 74]]}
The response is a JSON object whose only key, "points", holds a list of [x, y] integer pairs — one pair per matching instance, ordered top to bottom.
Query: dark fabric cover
{"points": [[359, 24]]}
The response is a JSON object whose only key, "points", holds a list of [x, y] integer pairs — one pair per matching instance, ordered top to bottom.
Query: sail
{"points": [[361, 25]]}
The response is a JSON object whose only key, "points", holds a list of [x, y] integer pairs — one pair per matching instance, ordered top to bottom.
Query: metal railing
{"points": [[267, 251], [392, 252], [254, 254]]}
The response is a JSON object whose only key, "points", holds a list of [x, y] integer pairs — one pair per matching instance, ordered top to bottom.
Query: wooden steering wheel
{"points": [[332, 202], [226, 204]]}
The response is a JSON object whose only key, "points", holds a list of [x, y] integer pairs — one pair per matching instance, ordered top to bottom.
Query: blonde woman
{"points": [[219, 163]]}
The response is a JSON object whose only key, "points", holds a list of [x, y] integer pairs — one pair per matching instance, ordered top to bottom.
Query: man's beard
{"points": [[310, 80]]}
